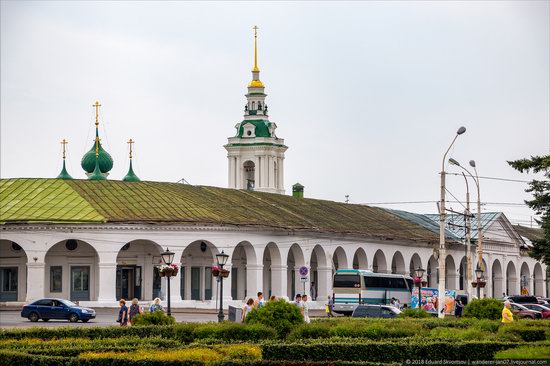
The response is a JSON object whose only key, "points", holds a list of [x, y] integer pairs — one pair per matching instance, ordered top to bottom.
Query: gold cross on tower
{"points": [[255, 48], [96, 105], [64, 142], [131, 142]]}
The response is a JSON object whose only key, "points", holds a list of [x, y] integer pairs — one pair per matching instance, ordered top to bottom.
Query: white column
{"points": [[265, 168], [231, 172], [239, 173], [281, 175], [187, 279], [35, 280], [254, 280], [279, 281], [107, 283], [226, 287], [324, 287], [175, 288]]}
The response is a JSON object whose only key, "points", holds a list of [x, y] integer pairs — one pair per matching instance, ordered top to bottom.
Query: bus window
{"points": [[346, 281], [410, 283]]}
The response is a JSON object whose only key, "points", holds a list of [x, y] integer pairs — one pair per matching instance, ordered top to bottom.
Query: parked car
{"points": [[523, 299], [47, 309], [544, 310], [375, 311], [522, 312]]}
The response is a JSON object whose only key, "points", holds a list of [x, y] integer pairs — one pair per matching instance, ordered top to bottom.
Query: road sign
{"points": [[303, 271], [303, 279]]}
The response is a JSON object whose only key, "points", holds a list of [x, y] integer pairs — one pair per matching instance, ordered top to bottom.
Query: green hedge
{"points": [[484, 309], [384, 351]]}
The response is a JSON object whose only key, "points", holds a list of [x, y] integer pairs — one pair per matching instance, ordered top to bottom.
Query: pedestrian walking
{"points": [[298, 300], [259, 302], [156, 306], [329, 307], [247, 308], [458, 308], [305, 309], [134, 310], [122, 313], [507, 315]]}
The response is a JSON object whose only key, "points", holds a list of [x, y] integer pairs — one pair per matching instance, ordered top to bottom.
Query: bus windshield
{"points": [[347, 281]]}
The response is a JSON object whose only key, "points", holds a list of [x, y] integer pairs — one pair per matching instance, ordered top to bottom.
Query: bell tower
{"points": [[255, 154]]}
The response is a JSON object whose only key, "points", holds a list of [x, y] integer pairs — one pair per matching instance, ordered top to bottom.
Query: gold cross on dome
{"points": [[255, 30], [96, 106], [64, 142], [131, 142]]}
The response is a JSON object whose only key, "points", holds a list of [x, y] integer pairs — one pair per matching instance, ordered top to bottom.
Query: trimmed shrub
{"points": [[484, 309], [414, 313], [280, 315], [154, 318], [230, 332], [526, 333], [384, 351], [525, 353]]}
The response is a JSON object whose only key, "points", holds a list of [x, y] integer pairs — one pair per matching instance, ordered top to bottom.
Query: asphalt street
{"points": [[106, 317]]}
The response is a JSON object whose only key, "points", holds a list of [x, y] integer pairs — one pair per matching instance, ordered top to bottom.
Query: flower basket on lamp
{"points": [[215, 271], [161, 273], [224, 273], [482, 283], [474, 284]]}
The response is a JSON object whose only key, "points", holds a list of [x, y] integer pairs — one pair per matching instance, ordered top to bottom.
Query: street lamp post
{"points": [[479, 233], [442, 254], [221, 258], [168, 259], [479, 274], [418, 276]]}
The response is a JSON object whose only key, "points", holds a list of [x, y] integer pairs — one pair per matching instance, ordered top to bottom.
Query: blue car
{"points": [[47, 309]]}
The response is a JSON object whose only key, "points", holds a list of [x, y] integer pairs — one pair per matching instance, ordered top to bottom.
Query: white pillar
{"points": [[231, 170], [281, 174], [239, 175], [187, 279], [35, 280], [254, 280], [279, 281], [107, 283], [226, 287], [324, 287], [175, 288]]}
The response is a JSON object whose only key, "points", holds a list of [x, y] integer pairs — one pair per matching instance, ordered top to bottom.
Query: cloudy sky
{"points": [[368, 95]]}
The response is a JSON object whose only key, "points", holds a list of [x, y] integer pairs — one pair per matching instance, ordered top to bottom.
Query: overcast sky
{"points": [[367, 95]]}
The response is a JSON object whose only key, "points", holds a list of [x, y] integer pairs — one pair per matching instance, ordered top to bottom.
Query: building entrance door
{"points": [[128, 282], [80, 283], [195, 283], [8, 284]]}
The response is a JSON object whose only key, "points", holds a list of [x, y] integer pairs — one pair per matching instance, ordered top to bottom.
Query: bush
{"points": [[484, 309], [414, 313], [280, 315], [154, 318], [230, 332], [526, 333], [386, 351], [525, 353]]}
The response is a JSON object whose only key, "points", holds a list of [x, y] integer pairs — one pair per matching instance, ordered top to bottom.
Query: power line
{"points": [[495, 178], [426, 202]]}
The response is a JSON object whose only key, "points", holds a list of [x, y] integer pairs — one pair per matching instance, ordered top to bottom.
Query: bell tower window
{"points": [[249, 171]]}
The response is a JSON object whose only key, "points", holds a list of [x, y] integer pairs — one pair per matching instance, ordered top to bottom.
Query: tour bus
{"points": [[352, 287]]}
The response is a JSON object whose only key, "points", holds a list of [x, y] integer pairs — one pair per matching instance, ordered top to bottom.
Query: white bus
{"points": [[352, 287]]}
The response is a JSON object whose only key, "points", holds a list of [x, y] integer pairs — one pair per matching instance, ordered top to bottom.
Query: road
{"points": [[105, 317]]}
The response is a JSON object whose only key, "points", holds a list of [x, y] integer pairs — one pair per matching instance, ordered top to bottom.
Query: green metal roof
{"points": [[261, 130], [85, 201]]}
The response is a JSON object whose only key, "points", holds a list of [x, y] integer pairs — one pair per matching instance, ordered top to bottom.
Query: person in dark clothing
{"points": [[458, 308], [134, 310], [123, 313]]}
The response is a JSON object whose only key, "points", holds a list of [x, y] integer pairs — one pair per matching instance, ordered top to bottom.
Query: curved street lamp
{"points": [[442, 256], [419, 275]]}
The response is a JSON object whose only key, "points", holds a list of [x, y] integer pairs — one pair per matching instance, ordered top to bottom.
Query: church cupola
{"points": [[255, 154], [97, 155], [64, 174], [131, 176]]}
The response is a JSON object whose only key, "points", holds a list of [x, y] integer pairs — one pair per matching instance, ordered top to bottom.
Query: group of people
{"points": [[257, 303], [126, 314]]}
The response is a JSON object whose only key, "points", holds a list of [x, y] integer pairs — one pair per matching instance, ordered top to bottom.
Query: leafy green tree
{"points": [[540, 202], [484, 309], [280, 315]]}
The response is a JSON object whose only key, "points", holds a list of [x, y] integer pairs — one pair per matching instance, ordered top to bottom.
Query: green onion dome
{"points": [[104, 160], [131, 176]]}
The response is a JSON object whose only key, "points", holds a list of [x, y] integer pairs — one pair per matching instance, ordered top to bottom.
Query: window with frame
{"points": [[56, 279]]}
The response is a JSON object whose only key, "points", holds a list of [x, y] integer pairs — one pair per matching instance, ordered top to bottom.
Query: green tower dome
{"points": [[104, 160], [64, 173], [131, 176]]}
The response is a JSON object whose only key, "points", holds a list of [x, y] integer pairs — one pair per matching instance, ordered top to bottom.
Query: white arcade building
{"points": [[98, 240]]}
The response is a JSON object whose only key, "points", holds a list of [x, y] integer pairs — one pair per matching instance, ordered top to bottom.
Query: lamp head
{"points": [[461, 130], [454, 162], [473, 163], [167, 257], [221, 258], [419, 272], [479, 272]]}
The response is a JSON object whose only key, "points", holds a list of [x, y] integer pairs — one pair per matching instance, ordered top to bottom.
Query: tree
{"points": [[540, 202]]}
